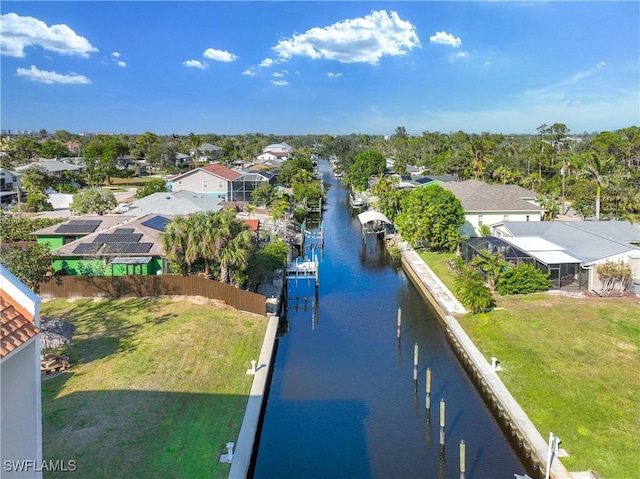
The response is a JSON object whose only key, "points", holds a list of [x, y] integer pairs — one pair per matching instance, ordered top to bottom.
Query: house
{"points": [[278, 148], [206, 152], [273, 156], [52, 167], [214, 180], [411, 182], [9, 185], [244, 185], [174, 203], [486, 204], [69, 231], [129, 247], [576, 248], [20, 400]]}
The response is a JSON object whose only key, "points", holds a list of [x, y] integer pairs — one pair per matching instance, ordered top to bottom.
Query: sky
{"points": [[307, 67]]}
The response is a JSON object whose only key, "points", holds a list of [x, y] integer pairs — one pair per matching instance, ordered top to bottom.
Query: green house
{"points": [[107, 246]]}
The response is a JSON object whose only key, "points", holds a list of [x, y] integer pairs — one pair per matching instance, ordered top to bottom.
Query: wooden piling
{"points": [[399, 321], [462, 459]]}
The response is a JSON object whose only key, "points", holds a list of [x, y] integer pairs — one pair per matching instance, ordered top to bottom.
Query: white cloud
{"points": [[18, 33], [444, 38], [357, 40], [116, 54], [219, 55], [458, 56], [267, 62], [122, 64], [195, 64], [601, 64], [249, 72], [277, 74], [334, 75], [44, 76], [280, 82]]}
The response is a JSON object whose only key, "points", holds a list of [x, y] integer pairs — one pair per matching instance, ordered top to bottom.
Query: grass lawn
{"points": [[573, 364], [156, 389]]}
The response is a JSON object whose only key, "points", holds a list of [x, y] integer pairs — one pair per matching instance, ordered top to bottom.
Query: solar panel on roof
{"points": [[157, 223], [76, 228], [123, 230], [118, 238], [115, 247], [144, 247], [87, 248]]}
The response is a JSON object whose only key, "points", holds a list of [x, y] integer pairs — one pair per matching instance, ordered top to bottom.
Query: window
{"points": [[180, 182], [205, 184], [220, 184], [527, 217], [505, 218], [479, 220]]}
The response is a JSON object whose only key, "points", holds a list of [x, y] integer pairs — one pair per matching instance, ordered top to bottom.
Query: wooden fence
{"points": [[154, 286]]}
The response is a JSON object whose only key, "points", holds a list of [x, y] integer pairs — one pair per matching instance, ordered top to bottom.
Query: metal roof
{"points": [[371, 215], [576, 240]]}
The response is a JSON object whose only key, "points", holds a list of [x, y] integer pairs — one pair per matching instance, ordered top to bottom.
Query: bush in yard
{"points": [[156, 185], [93, 200], [523, 279]]}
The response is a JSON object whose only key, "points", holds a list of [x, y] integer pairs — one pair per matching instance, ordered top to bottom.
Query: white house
{"points": [[278, 148], [276, 156], [213, 180], [486, 204], [586, 244], [20, 402]]}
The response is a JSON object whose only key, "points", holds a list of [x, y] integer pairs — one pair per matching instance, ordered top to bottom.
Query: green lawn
{"points": [[573, 364], [156, 389]]}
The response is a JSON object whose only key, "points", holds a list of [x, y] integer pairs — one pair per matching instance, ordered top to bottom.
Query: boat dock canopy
{"points": [[369, 216]]}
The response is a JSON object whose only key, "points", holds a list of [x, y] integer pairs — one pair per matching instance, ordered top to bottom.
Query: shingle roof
{"points": [[478, 196], [181, 202], [16, 324]]}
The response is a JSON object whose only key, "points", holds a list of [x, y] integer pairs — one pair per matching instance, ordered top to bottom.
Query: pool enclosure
{"points": [[565, 270]]}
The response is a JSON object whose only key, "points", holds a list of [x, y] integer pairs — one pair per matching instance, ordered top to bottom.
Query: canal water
{"points": [[342, 402]]}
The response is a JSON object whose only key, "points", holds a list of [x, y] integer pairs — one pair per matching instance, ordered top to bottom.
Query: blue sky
{"points": [[319, 67]]}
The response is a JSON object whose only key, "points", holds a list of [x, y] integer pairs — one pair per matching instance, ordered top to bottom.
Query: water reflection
{"points": [[343, 402]]}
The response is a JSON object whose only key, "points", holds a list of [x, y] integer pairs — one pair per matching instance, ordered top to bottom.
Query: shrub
{"points": [[156, 185], [14, 229], [523, 279]]}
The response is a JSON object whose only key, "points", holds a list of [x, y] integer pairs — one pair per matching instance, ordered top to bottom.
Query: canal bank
{"points": [[510, 415]]}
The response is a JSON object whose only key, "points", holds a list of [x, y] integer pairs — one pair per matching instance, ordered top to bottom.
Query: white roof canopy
{"points": [[369, 216]]}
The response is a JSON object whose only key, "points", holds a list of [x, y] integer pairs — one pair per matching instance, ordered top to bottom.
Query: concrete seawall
{"points": [[510, 415], [249, 429]]}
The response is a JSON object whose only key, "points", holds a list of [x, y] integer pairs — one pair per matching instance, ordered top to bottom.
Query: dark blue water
{"points": [[342, 402]]}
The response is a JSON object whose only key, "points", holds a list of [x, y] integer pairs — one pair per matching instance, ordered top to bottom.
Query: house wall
{"points": [[214, 186], [476, 219], [54, 241], [96, 267], [594, 282], [20, 411]]}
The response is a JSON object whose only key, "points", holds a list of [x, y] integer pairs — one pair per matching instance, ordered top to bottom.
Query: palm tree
{"points": [[196, 142], [599, 169], [502, 172], [174, 242], [235, 255], [492, 264], [469, 287]]}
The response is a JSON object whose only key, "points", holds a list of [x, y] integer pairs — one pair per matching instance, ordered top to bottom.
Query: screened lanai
{"points": [[564, 269]]}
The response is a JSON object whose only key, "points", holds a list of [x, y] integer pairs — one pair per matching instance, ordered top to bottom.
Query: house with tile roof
{"points": [[213, 180], [486, 204], [583, 244], [20, 399]]}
